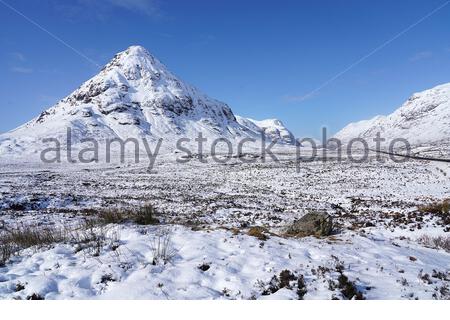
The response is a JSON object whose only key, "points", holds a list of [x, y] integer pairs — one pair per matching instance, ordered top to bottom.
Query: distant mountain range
{"points": [[136, 96]]}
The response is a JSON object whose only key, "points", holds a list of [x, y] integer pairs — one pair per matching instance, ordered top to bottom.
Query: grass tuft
{"points": [[439, 242]]}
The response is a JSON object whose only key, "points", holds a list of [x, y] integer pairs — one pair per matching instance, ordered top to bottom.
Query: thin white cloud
{"points": [[148, 7], [102, 9], [19, 56], [421, 56], [17, 59], [22, 70], [299, 98]]}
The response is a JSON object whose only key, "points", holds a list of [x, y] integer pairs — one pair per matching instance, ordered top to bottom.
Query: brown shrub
{"points": [[439, 208], [145, 215], [142, 216], [258, 232], [27, 236], [30, 236], [439, 242], [6, 251], [349, 289]]}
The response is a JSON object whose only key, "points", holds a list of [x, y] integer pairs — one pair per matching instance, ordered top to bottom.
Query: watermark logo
{"points": [[222, 150]]}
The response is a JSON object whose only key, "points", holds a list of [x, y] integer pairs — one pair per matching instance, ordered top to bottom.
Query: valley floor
{"points": [[382, 246]]}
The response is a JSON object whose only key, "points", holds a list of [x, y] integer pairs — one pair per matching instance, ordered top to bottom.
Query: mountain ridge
{"points": [[424, 119]]}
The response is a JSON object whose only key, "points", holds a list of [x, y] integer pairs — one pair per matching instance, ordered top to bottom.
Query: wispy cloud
{"points": [[147, 7], [103, 9], [39, 26], [18, 56], [421, 56], [17, 61], [22, 70], [298, 98]]}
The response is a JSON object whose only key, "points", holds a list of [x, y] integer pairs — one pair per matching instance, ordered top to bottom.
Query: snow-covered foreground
{"points": [[206, 211], [240, 267]]}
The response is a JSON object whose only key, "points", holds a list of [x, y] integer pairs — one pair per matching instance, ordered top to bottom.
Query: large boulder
{"points": [[317, 224]]}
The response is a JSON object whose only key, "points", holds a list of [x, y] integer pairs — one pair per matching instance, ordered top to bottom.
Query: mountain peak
{"points": [[137, 50], [133, 53], [136, 63]]}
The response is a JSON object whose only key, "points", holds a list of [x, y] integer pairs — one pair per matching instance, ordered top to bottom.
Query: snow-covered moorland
{"points": [[224, 228], [218, 231]]}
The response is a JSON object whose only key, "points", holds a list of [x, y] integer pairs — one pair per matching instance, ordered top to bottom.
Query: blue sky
{"points": [[263, 58]]}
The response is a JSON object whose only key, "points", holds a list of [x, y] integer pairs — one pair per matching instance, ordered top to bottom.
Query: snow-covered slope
{"points": [[134, 96], [423, 119], [273, 129]]}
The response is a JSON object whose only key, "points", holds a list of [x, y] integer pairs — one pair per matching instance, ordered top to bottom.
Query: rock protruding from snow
{"points": [[422, 120], [317, 224]]}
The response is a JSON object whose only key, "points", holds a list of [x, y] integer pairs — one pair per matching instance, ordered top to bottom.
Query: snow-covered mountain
{"points": [[136, 96], [422, 120], [273, 129]]}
